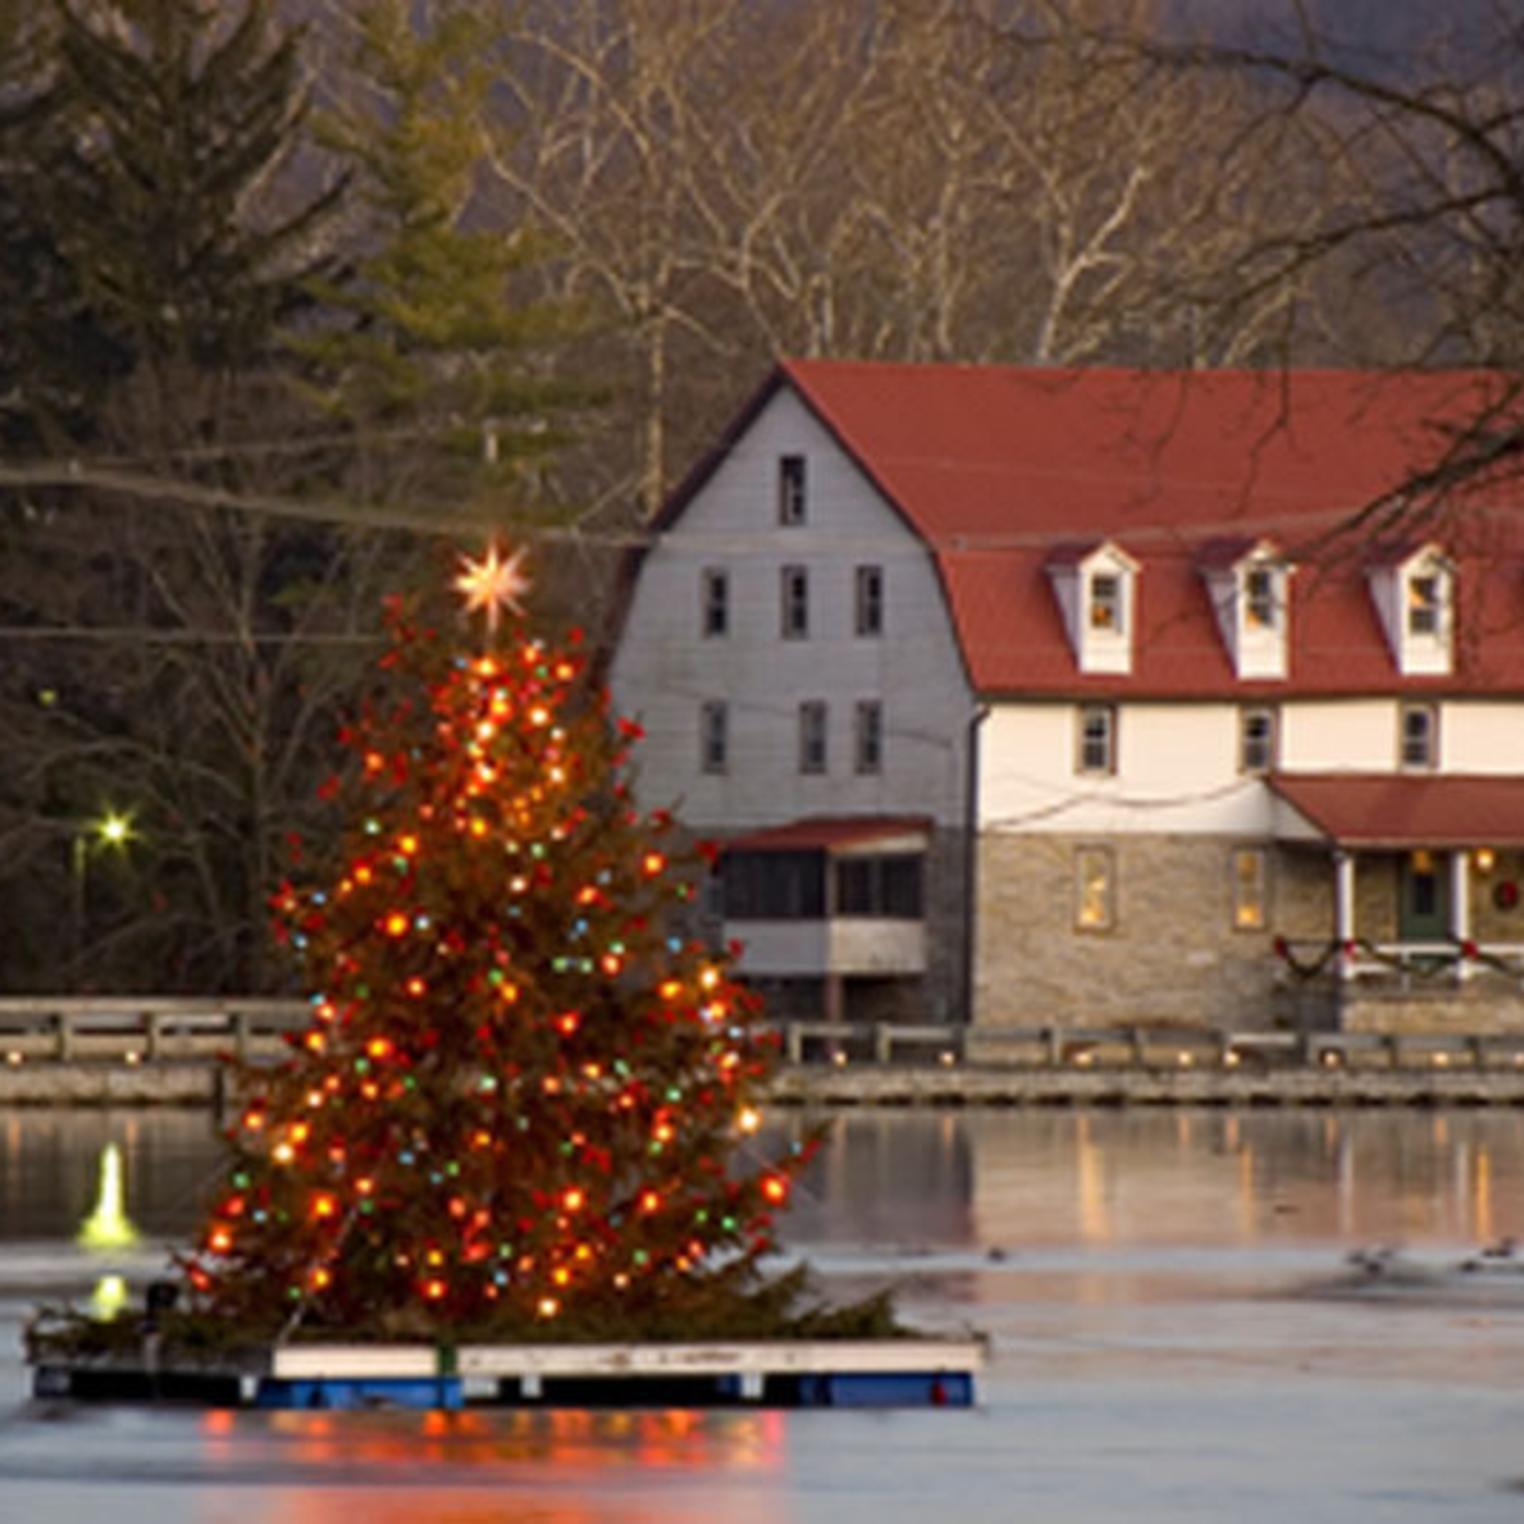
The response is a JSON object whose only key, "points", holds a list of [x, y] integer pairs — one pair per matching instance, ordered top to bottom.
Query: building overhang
{"points": [[1399, 811], [840, 836]]}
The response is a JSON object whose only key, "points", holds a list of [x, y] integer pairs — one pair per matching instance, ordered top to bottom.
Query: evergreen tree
{"points": [[178, 115], [56, 356], [438, 361], [518, 1107]]}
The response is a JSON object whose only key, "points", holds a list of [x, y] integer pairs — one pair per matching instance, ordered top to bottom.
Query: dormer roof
{"points": [[1225, 554]]}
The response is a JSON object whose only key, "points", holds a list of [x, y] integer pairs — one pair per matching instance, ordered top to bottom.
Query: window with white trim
{"points": [[1261, 598], [1107, 602], [1426, 603], [1257, 739], [1418, 739], [1096, 742]]}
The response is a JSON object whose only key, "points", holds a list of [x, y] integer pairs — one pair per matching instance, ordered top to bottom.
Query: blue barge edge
{"points": [[891, 1373]]}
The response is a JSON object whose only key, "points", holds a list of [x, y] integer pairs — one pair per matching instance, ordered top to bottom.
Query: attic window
{"points": [[792, 502], [1426, 598], [1106, 602], [1261, 605]]}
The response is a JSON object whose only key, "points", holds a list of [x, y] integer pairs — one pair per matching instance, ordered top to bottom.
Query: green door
{"points": [[1423, 898]]}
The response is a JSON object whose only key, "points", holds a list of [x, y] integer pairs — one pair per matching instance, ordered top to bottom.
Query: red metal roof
{"points": [[1000, 469], [1407, 810], [824, 832]]}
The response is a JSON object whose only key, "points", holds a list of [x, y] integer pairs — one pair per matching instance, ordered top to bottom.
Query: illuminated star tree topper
{"points": [[493, 584]]}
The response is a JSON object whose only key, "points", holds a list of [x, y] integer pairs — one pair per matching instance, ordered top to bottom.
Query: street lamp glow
{"points": [[114, 829]]}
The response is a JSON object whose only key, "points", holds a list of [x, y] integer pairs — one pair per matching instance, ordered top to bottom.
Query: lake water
{"points": [[1144, 1277]]}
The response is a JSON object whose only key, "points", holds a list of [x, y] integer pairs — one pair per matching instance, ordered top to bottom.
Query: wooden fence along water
{"points": [[117, 1050]]}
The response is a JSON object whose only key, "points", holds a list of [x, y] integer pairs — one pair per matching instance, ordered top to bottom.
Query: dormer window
{"points": [[1247, 583], [1095, 587], [1414, 594], [1261, 605], [1425, 605], [1106, 608]]}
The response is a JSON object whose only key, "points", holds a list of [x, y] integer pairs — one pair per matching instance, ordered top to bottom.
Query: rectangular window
{"points": [[791, 489], [870, 600], [1106, 602], [1260, 603], [1425, 603], [795, 605], [714, 616], [714, 736], [812, 736], [869, 736], [1256, 740], [1419, 744], [1097, 748], [773, 886], [885, 887], [1094, 889], [1249, 889]]}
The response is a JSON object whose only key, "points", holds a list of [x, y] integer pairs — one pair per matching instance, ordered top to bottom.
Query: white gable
{"points": [[1250, 599], [1097, 600], [1415, 602]]}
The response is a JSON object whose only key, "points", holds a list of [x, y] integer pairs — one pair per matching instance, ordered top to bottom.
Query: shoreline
{"points": [[190, 1083]]}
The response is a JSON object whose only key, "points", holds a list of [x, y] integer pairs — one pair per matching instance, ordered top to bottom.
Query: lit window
{"points": [[791, 489], [870, 600], [715, 602], [1106, 602], [1425, 604], [1261, 606], [795, 617], [1419, 735], [714, 736], [812, 736], [869, 736], [1256, 740], [1097, 751], [1094, 889], [1249, 889]]}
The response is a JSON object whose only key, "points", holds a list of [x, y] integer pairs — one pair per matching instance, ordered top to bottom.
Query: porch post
{"points": [[1460, 907], [1344, 908]]}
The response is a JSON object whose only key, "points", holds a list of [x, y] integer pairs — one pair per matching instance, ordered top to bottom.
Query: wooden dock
{"points": [[889, 1373]]}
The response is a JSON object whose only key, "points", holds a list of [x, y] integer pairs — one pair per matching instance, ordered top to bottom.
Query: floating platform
{"points": [[824, 1373]]}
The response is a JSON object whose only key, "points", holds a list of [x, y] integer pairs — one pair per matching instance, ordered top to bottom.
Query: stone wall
{"points": [[1172, 953], [1173, 956], [1484, 1003]]}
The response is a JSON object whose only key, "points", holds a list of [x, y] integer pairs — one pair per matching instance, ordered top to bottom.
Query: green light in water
{"points": [[107, 1226], [108, 1298]]}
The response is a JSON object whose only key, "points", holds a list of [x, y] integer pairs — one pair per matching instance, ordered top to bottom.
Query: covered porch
{"points": [[830, 915], [1423, 916]]}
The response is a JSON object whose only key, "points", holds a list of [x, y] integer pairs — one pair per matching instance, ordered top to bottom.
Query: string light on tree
{"points": [[526, 1095]]}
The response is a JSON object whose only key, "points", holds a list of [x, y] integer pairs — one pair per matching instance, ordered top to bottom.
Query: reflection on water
{"points": [[1017, 1179], [1131, 1267]]}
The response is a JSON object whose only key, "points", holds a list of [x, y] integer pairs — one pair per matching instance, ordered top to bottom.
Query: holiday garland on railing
{"points": [[1424, 965]]}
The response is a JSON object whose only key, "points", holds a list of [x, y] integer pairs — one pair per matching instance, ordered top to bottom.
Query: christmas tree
{"points": [[525, 1102]]}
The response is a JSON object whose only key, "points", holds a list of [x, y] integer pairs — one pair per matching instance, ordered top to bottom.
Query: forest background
{"points": [[297, 301]]}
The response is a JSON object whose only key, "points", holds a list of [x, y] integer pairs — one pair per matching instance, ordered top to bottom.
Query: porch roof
{"points": [[1405, 810], [838, 833]]}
